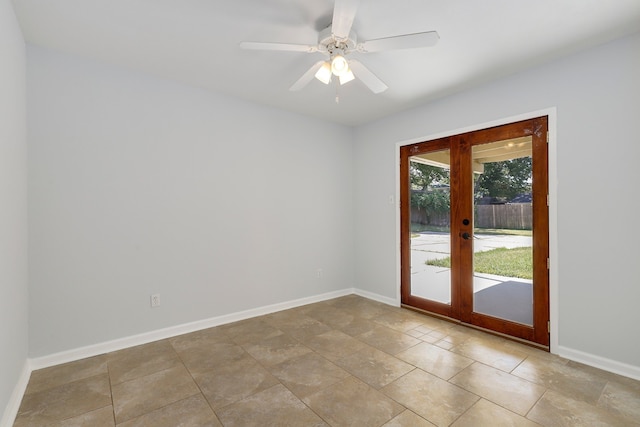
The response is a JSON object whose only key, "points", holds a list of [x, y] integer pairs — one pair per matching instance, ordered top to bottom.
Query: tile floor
{"points": [[344, 362]]}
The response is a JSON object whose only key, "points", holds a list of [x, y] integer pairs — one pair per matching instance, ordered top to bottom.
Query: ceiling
{"points": [[197, 42]]}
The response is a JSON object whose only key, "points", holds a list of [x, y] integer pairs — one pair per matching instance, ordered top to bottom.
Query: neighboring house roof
{"points": [[522, 198]]}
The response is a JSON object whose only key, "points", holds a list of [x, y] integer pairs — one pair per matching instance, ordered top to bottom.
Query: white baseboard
{"points": [[377, 297], [147, 337], [603, 363], [11, 410]]}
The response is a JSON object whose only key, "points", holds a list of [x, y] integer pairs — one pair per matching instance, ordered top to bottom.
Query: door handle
{"points": [[466, 236]]}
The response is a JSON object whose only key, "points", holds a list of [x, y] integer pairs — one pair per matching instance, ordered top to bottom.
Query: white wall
{"points": [[597, 95], [140, 185], [13, 208]]}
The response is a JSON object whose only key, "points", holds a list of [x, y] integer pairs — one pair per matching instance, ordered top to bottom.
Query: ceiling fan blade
{"points": [[344, 11], [406, 41], [279, 46], [306, 77], [367, 77]]}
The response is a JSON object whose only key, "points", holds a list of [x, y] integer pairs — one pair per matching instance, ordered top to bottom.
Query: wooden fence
{"points": [[421, 216], [517, 216]]}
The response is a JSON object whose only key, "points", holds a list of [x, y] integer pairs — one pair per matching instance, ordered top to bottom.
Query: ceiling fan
{"points": [[337, 41]]}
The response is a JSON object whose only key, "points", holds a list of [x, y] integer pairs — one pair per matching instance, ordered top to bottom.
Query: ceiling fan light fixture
{"points": [[339, 65], [324, 73], [346, 77]]}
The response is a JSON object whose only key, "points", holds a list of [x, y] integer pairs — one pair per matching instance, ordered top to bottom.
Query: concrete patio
{"points": [[433, 282]]}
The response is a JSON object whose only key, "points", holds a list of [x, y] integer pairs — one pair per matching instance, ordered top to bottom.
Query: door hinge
{"points": [[547, 137], [548, 200], [548, 264], [548, 326]]}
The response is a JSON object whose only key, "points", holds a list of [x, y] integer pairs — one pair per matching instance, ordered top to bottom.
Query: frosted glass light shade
{"points": [[339, 65], [324, 73], [346, 77]]}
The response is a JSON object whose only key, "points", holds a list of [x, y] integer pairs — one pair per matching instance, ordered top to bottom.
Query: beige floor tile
{"points": [[347, 301], [360, 306], [304, 309], [369, 311], [330, 315], [284, 317], [343, 320], [400, 321], [430, 323], [357, 326], [426, 326], [300, 327], [251, 330], [415, 333], [437, 334], [459, 334], [200, 339], [429, 339], [388, 340], [335, 344], [444, 344], [276, 349], [491, 351], [533, 351], [202, 359], [142, 360], [435, 360], [354, 361], [374, 367], [308, 374], [55, 376], [233, 381], [570, 381], [630, 383], [511, 392], [145, 394], [621, 398], [434, 399], [65, 401], [351, 402], [275, 406], [557, 410], [193, 411], [488, 414], [102, 417], [408, 419]]}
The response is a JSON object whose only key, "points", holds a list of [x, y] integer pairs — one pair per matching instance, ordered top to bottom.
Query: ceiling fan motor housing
{"points": [[328, 43]]}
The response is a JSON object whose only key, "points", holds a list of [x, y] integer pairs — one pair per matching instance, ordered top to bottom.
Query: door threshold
{"points": [[478, 328]]}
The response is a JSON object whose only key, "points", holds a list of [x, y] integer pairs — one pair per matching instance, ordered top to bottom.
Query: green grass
{"points": [[503, 231], [516, 262]]}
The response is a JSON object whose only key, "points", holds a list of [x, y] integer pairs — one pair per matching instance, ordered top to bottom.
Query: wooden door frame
{"points": [[461, 306], [447, 310]]}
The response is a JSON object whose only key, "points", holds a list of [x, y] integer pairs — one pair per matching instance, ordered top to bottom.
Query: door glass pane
{"points": [[430, 226], [502, 243]]}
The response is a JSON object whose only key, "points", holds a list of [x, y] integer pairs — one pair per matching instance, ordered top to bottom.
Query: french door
{"points": [[474, 228]]}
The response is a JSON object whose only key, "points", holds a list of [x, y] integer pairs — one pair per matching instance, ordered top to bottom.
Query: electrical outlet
{"points": [[319, 273], [155, 300]]}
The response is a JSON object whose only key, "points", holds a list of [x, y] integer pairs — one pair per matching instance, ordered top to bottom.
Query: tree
{"points": [[423, 176], [504, 180], [429, 190]]}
